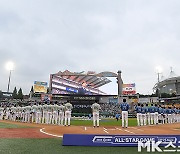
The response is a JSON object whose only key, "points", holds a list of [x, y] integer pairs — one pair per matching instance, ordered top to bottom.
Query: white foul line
{"points": [[118, 128], [136, 128], [41, 130], [105, 130], [129, 132]]}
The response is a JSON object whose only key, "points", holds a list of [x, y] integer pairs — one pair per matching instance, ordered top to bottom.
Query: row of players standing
{"points": [[45, 113], [155, 114]]}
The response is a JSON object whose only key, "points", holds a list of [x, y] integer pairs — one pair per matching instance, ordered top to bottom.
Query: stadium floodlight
{"points": [[10, 68], [158, 71]]}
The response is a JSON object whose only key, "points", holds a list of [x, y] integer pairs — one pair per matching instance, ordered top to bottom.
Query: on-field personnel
{"points": [[124, 108], [68, 109], [138, 109], [95, 111]]}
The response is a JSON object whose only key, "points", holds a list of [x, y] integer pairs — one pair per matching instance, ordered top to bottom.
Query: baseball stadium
{"points": [[169, 86], [76, 116]]}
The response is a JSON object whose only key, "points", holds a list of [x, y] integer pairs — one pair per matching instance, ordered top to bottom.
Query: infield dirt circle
{"points": [[49, 131]]}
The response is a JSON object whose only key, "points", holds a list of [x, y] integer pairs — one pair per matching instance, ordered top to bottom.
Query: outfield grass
{"points": [[103, 122], [6, 125], [54, 146]]}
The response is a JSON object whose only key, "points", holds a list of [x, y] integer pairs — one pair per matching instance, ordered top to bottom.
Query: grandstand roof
{"points": [[91, 78]]}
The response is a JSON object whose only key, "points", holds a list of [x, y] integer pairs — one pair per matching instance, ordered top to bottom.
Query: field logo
{"points": [[153, 146]]}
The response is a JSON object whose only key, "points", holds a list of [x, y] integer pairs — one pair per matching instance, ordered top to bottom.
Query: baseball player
{"points": [[124, 108], [61, 109], [68, 109], [45, 110], [95, 111], [138, 111], [13, 112], [33, 112], [178, 112], [1, 113], [7, 113], [23, 113], [27, 113], [38, 113], [55, 113], [49, 114], [148, 114], [152, 114], [156, 114], [160, 114], [174, 114], [143, 115], [169, 115], [164, 120]]}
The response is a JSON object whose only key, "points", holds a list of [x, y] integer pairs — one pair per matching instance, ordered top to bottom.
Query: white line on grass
{"points": [[41, 130]]}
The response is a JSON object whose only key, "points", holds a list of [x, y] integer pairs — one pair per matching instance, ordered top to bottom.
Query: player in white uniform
{"points": [[61, 109], [68, 109], [138, 110], [45, 111], [95, 111], [18, 112], [33, 112], [1, 113], [7, 113], [13, 113], [23, 113], [27, 113], [38, 113], [50, 113], [55, 113]]}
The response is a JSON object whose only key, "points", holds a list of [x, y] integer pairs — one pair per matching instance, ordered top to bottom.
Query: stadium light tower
{"points": [[9, 67], [158, 71]]}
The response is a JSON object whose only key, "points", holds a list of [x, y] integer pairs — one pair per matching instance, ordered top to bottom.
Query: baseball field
{"points": [[17, 137]]}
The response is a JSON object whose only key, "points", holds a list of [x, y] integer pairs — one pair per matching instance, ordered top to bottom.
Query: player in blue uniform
{"points": [[124, 108], [138, 111], [152, 113], [148, 114], [156, 114], [160, 114], [143, 115], [169, 115], [178, 115], [165, 116], [174, 116]]}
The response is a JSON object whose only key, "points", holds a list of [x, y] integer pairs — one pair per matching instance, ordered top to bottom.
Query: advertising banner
{"points": [[40, 87], [129, 89], [142, 141]]}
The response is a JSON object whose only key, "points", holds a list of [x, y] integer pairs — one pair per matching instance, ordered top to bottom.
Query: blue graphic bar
{"points": [[117, 140]]}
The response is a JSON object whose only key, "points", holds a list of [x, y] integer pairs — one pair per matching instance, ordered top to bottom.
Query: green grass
{"points": [[103, 122], [7, 125], [54, 146]]}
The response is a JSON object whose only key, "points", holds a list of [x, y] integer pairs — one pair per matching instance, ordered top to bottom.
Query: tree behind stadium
{"points": [[14, 94], [20, 94]]}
